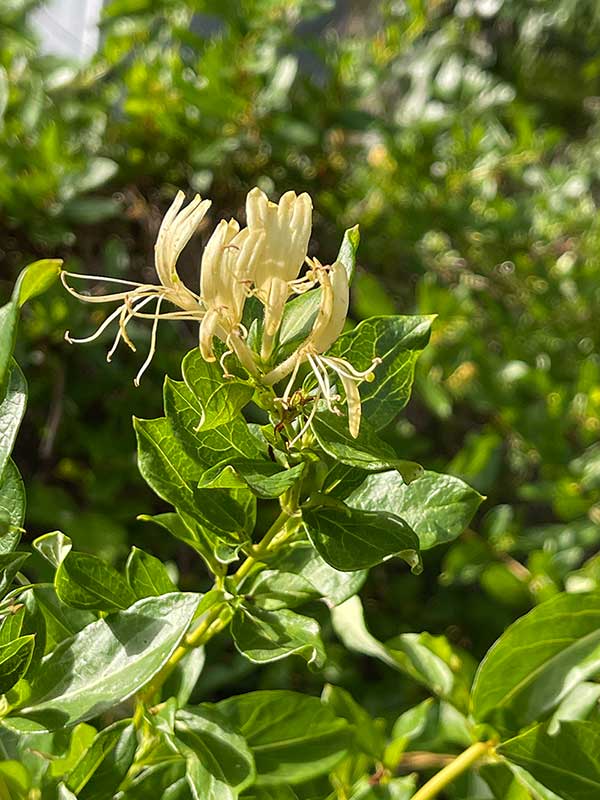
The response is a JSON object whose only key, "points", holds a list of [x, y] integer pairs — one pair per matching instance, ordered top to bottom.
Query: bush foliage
{"points": [[462, 138]]}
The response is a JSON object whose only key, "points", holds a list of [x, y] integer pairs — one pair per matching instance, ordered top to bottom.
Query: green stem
{"points": [[211, 622], [449, 774]]}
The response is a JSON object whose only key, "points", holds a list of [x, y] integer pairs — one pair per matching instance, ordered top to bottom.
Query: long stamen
{"points": [[101, 278], [128, 311], [99, 331], [152, 350], [340, 363], [226, 373], [323, 381], [288, 388], [306, 425]]}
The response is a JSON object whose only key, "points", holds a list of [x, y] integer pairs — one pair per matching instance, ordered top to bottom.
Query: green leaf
{"points": [[348, 250], [36, 279], [300, 313], [9, 319], [398, 341], [221, 399], [12, 409], [213, 446], [367, 451], [164, 465], [173, 475], [264, 478], [12, 506], [437, 507], [349, 539], [54, 547], [209, 547], [10, 564], [147, 575], [85, 581], [334, 585], [272, 590], [60, 621], [11, 625], [263, 636], [410, 654], [15, 658], [108, 661], [537, 661], [182, 681], [577, 705], [369, 736], [293, 737], [80, 740], [221, 751], [568, 763], [100, 770], [15, 781], [504, 784], [395, 789]]}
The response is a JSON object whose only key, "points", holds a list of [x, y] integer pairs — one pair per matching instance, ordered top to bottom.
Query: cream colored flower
{"points": [[287, 227], [177, 228], [228, 269], [327, 327]]}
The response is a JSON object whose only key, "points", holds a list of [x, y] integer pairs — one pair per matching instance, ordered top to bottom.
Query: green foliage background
{"points": [[462, 137]]}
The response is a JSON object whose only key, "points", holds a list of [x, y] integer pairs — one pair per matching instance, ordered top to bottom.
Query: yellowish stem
{"points": [[449, 774]]}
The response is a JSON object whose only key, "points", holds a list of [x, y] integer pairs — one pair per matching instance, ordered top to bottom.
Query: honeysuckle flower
{"points": [[287, 227], [177, 228], [264, 259], [229, 265], [327, 327]]}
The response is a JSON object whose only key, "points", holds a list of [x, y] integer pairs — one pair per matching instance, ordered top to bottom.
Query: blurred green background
{"points": [[461, 136]]}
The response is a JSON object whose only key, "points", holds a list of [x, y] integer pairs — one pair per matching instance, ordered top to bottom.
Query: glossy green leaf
{"points": [[36, 279], [9, 318], [398, 341], [221, 399], [12, 409], [212, 446], [367, 451], [164, 465], [173, 475], [264, 478], [12, 506], [437, 507], [349, 539], [207, 545], [54, 547], [10, 564], [147, 575], [85, 581], [335, 586], [272, 590], [60, 621], [12, 624], [263, 636], [410, 652], [15, 658], [107, 661], [537, 661], [183, 679], [577, 705], [368, 735], [293, 737], [222, 752], [568, 763], [100, 770], [15, 781], [503, 783], [395, 789]]}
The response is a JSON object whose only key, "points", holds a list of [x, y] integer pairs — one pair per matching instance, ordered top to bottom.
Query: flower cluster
{"points": [[263, 260]]}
